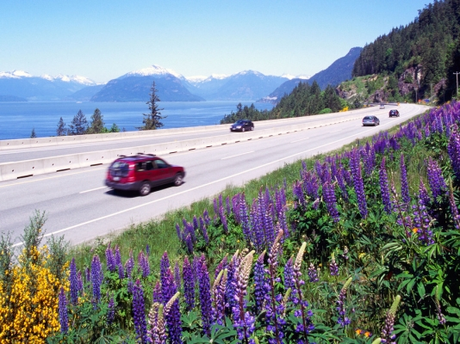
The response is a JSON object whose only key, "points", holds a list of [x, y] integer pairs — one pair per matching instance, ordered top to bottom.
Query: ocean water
{"points": [[18, 119]]}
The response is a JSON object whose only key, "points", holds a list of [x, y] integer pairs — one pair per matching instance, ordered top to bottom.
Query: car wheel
{"points": [[252, 128], [178, 179], [145, 189]]}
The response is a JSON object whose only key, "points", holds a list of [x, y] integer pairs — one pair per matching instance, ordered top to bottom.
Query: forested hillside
{"points": [[421, 56], [304, 100]]}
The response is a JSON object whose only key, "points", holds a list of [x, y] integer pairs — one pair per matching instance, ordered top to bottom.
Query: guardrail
{"points": [[28, 168]]}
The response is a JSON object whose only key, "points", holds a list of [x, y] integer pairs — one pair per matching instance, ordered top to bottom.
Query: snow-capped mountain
{"points": [[25, 85], [136, 86]]}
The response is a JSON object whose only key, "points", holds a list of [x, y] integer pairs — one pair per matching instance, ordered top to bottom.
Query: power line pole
{"points": [[456, 77]]}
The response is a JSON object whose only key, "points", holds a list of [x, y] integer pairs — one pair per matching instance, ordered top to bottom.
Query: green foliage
{"points": [[425, 42], [97, 123], [79, 124]]}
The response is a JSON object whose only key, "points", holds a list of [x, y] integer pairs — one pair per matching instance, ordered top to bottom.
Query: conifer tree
{"points": [[152, 120], [97, 123], [79, 125], [61, 129]]}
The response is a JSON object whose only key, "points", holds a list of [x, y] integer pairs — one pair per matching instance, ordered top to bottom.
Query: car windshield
{"points": [[368, 118], [240, 122]]}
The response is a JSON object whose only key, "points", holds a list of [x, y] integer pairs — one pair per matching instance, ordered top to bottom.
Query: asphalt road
{"points": [[81, 208]]}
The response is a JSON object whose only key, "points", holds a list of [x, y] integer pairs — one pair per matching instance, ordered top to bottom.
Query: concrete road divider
{"points": [[28, 168]]}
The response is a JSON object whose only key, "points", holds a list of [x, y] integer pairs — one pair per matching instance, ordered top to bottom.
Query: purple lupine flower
{"points": [[453, 149], [435, 179], [341, 182], [358, 182], [404, 183], [384, 189], [297, 190], [423, 195], [331, 201], [454, 210], [244, 218], [223, 219], [422, 222], [195, 223], [257, 227], [203, 230], [179, 232], [189, 243], [147, 250], [109, 256], [117, 256], [143, 262], [129, 265], [333, 267], [121, 271], [289, 274], [312, 274], [96, 278], [177, 278], [73, 283], [189, 284], [204, 284], [230, 287], [260, 289], [168, 290], [157, 296], [218, 298], [274, 306], [111, 311], [63, 316], [441, 318], [342, 319], [242, 320], [140, 323], [305, 326], [387, 331]]}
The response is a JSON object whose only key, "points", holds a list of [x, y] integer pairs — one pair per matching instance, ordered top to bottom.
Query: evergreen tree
{"points": [[152, 120], [97, 123], [79, 125], [61, 129], [115, 129], [33, 135]]}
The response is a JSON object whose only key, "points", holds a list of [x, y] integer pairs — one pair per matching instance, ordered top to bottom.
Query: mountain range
{"points": [[339, 71], [136, 86]]}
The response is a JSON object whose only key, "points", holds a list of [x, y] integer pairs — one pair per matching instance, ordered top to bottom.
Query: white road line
{"points": [[234, 156], [99, 188], [192, 189]]}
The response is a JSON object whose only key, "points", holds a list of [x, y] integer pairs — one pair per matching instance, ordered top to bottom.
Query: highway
{"points": [[81, 208]]}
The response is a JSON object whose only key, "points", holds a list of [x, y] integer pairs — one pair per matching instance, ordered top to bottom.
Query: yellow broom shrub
{"points": [[29, 313]]}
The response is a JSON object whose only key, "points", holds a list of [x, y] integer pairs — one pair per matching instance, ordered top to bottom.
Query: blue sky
{"points": [[103, 40]]}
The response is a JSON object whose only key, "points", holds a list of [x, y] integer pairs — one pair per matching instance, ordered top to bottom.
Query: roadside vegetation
{"points": [[358, 246]]}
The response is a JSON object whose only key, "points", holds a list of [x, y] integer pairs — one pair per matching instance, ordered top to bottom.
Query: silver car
{"points": [[371, 120]]}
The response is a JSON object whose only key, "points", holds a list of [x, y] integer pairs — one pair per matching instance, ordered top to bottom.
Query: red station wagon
{"points": [[141, 172]]}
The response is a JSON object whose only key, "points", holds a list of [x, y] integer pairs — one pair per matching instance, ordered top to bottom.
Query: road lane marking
{"points": [[235, 156], [99, 188], [192, 189]]}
